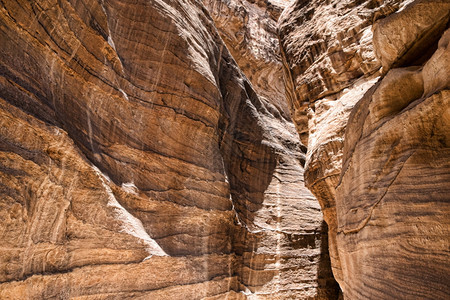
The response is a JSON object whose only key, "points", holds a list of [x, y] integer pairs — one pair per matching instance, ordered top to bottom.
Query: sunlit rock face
{"points": [[249, 29], [326, 47], [329, 63], [369, 91], [113, 114], [138, 162], [394, 223], [286, 224]]}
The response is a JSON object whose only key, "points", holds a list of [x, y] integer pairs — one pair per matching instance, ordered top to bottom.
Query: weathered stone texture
{"points": [[249, 29], [326, 46], [329, 62], [110, 155], [377, 155], [137, 161], [394, 223], [286, 224]]}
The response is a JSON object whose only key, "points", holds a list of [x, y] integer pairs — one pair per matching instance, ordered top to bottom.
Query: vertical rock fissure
{"points": [[361, 72], [211, 152], [281, 212]]}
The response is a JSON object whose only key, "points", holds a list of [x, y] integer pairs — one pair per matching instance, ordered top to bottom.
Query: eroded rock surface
{"points": [[249, 29], [326, 46], [329, 63], [111, 161], [138, 162], [288, 218], [394, 223], [387, 230]]}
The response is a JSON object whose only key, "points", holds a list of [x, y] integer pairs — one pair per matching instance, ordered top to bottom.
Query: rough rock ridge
{"points": [[371, 80], [138, 162]]}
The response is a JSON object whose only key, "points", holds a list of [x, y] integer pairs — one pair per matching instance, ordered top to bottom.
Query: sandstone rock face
{"points": [[249, 29], [326, 46], [329, 63], [138, 162], [381, 174], [288, 215], [394, 223]]}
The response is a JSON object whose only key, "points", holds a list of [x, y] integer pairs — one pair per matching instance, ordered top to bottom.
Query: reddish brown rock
{"points": [[425, 21], [249, 29], [326, 46], [329, 64], [110, 151], [138, 162], [395, 222], [285, 230]]}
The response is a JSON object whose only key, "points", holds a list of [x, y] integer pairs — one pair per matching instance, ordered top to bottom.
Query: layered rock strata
{"points": [[248, 29], [329, 63], [137, 161], [381, 176], [395, 222]]}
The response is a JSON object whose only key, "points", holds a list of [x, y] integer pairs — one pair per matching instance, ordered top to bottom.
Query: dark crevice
{"points": [[423, 47]]}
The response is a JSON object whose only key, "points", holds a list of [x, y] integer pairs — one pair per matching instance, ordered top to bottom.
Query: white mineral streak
{"points": [[130, 224]]}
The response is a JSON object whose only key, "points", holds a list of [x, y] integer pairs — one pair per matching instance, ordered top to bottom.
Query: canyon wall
{"points": [[248, 29], [367, 82], [147, 150], [139, 162]]}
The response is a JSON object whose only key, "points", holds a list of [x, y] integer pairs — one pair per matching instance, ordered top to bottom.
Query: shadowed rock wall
{"points": [[370, 79], [138, 162], [285, 222]]}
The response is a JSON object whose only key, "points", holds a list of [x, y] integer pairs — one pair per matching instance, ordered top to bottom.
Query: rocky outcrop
{"points": [[249, 29], [327, 46], [329, 63], [397, 147], [146, 151], [377, 152], [137, 161], [111, 168], [288, 218]]}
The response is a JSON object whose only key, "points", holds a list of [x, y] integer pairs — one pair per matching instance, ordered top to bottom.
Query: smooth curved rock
{"points": [[249, 29], [409, 37], [326, 47], [329, 64], [110, 150], [284, 221], [394, 223], [387, 230]]}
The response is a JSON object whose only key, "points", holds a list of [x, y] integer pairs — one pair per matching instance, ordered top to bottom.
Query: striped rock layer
{"points": [[368, 87], [137, 161]]}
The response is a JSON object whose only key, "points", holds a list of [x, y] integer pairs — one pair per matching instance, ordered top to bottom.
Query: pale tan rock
{"points": [[248, 28], [408, 37], [326, 46], [329, 63], [436, 70], [112, 86], [395, 92], [323, 167], [394, 223], [284, 228], [387, 229]]}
